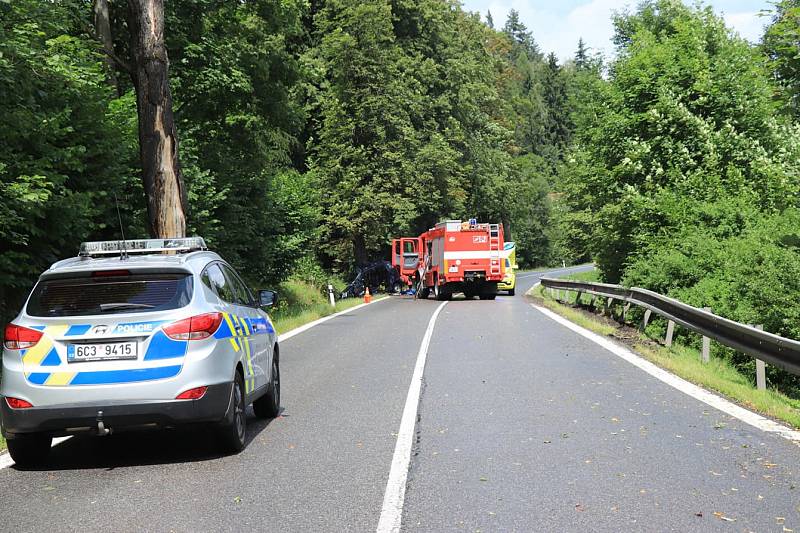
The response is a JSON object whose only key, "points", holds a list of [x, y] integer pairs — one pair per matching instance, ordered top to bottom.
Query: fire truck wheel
{"points": [[424, 293], [439, 294]]}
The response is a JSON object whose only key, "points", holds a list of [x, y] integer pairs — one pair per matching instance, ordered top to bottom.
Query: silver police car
{"points": [[137, 334]]}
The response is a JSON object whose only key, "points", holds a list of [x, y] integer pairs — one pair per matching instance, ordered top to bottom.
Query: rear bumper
{"points": [[507, 285], [72, 419]]}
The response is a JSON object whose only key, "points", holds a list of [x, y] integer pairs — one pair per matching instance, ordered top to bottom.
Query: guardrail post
{"points": [[578, 298], [608, 310], [625, 311], [646, 319], [670, 333], [706, 343], [761, 369]]}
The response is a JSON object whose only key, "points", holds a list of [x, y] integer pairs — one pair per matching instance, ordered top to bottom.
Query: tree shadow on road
{"points": [[142, 448]]}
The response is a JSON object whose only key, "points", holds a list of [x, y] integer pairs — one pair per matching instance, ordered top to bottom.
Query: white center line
{"points": [[392, 510]]}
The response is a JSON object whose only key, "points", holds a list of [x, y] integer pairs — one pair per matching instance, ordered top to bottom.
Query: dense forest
{"points": [[311, 133]]}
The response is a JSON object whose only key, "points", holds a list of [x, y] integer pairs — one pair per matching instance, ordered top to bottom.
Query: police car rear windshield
{"points": [[110, 295]]}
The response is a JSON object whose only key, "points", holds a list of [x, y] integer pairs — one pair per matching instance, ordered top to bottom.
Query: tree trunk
{"points": [[102, 29], [158, 141], [360, 250]]}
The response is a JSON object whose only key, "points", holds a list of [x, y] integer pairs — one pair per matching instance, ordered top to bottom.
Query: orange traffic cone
{"points": [[367, 296]]}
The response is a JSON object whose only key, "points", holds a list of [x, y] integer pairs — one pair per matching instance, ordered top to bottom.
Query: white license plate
{"points": [[101, 351]]}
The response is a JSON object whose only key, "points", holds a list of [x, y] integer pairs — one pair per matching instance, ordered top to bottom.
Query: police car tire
{"points": [[269, 405], [230, 438], [29, 450]]}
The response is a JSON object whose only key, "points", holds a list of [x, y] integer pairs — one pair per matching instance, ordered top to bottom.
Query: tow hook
{"points": [[102, 430]]}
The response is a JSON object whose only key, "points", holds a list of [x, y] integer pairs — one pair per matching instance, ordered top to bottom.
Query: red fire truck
{"points": [[453, 256]]}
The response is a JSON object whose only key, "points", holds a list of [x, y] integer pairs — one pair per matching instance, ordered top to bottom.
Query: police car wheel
{"points": [[269, 405], [232, 432], [29, 450]]}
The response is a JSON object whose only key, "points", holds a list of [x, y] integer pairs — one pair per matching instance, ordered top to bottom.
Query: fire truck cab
{"points": [[453, 256]]}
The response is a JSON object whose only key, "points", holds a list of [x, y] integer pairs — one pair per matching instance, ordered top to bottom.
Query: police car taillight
{"points": [[194, 328], [19, 338], [16, 403]]}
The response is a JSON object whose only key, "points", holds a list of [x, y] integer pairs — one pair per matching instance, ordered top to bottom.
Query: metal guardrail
{"points": [[774, 349]]}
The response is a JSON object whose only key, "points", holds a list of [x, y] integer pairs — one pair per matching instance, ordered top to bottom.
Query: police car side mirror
{"points": [[267, 298]]}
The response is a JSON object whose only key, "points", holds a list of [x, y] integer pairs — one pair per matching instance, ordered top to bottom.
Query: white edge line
{"points": [[296, 331], [698, 393], [5, 457], [392, 509]]}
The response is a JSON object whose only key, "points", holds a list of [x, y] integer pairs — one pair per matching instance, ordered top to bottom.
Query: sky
{"points": [[558, 24]]}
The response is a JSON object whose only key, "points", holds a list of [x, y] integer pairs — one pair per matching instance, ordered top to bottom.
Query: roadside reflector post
{"points": [[330, 295], [608, 310], [646, 319], [670, 333], [706, 343], [761, 369]]}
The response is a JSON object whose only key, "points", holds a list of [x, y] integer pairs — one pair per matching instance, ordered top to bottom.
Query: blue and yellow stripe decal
{"points": [[39, 359]]}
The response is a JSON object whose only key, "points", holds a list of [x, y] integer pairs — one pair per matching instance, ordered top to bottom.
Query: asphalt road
{"points": [[522, 426]]}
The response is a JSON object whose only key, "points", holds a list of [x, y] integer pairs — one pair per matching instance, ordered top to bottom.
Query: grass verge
{"points": [[301, 303], [717, 375], [2, 443]]}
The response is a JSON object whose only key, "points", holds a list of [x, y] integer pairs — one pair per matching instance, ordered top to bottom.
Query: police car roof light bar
{"points": [[141, 246]]}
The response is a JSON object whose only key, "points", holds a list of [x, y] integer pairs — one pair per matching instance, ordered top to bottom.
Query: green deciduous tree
{"points": [[782, 44], [65, 143], [683, 176]]}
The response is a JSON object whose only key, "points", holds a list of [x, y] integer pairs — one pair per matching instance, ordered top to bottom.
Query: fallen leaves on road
{"points": [[237, 499], [579, 507], [699, 514], [723, 517]]}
